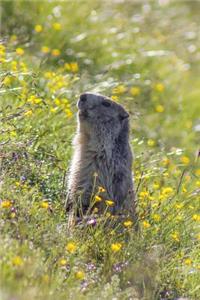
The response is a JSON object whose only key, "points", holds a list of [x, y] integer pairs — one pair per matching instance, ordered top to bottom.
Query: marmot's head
{"points": [[98, 114]]}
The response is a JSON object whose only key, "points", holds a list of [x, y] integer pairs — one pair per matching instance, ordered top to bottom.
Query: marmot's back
{"points": [[102, 158]]}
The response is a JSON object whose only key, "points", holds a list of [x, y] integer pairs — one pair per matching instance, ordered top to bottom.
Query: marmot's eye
{"points": [[106, 103]]}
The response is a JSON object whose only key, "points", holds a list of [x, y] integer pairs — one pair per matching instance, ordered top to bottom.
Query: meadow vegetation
{"points": [[145, 55]]}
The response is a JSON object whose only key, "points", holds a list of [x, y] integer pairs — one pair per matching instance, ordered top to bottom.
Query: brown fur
{"points": [[102, 148]]}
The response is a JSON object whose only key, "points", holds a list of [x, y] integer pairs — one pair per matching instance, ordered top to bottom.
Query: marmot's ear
{"points": [[123, 115]]}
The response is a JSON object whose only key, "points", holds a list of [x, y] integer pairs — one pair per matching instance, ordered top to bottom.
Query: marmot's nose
{"points": [[83, 98]]}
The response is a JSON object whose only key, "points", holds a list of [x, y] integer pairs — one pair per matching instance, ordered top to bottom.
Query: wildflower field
{"points": [[146, 56]]}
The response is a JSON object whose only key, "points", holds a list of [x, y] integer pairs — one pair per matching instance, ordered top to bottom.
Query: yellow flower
{"points": [[56, 26], [38, 28], [13, 38], [2, 48], [45, 49], [20, 51], [55, 52], [2, 60], [14, 65], [72, 66], [23, 67], [49, 75], [7, 81], [159, 87], [120, 89], [135, 91], [114, 98], [34, 100], [57, 102], [159, 108], [53, 109], [68, 112], [28, 113], [13, 133], [151, 143], [185, 160], [165, 161], [197, 172], [198, 183], [156, 186], [101, 189], [184, 190], [166, 191], [143, 194], [97, 198], [110, 203], [6, 204], [44, 204], [155, 205], [179, 205], [95, 210], [13, 215], [156, 217], [196, 217], [128, 223], [146, 224], [175, 236], [198, 236], [71, 247], [116, 247], [17, 261], [188, 261], [62, 262], [80, 275], [45, 278]]}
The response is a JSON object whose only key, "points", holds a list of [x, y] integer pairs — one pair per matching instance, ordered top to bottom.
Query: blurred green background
{"points": [[146, 56]]}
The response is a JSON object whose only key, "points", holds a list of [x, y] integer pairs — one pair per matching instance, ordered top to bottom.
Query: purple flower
{"points": [[92, 222]]}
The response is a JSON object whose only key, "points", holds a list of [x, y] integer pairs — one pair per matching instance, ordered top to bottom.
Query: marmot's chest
{"points": [[104, 166]]}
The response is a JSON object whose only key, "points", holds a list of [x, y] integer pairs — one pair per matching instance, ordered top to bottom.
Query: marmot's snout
{"points": [[82, 106]]}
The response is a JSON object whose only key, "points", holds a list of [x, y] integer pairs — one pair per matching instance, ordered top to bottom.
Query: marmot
{"points": [[102, 158]]}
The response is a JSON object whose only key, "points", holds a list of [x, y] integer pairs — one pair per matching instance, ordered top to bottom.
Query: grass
{"points": [[145, 56]]}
